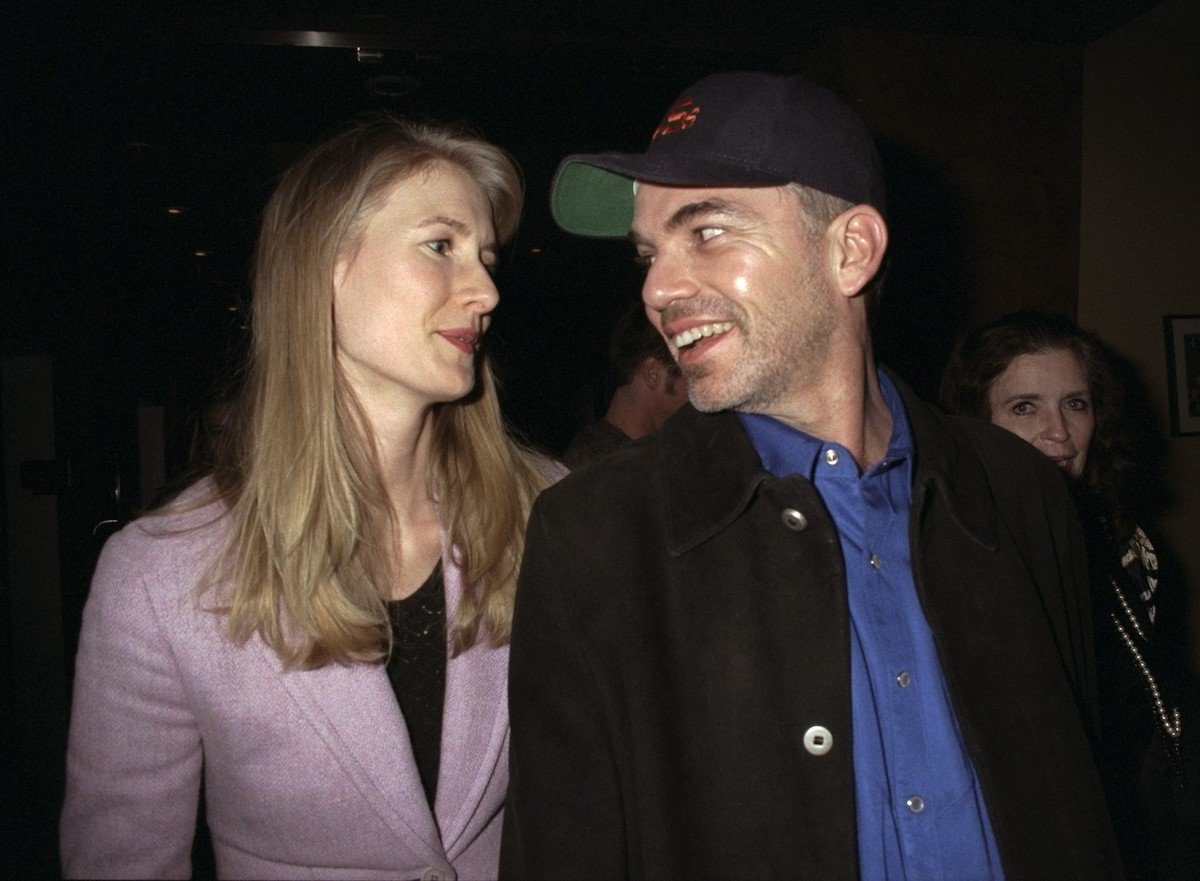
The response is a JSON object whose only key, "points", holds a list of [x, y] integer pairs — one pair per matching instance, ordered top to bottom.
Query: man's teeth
{"points": [[692, 334]]}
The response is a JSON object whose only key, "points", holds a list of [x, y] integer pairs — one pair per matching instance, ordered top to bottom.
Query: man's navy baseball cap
{"points": [[741, 129]]}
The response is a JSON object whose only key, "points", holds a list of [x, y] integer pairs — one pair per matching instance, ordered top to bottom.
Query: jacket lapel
{"points": [[954, 472], [700, 507], [354, 711], [474, 730]]}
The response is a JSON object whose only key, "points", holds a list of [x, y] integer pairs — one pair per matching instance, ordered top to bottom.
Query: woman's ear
{"points": [[860, 238], [344, 261], [340, 267]]}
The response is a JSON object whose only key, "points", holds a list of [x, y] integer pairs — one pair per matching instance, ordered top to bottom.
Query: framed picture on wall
{"points": [[1183, 372]]}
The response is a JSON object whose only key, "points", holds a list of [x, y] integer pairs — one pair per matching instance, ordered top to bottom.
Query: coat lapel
{"points": [[955, 472], [699, 509], [354, 710], [474, 731]]}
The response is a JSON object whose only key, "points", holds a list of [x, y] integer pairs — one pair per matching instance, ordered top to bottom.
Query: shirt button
{"points": [[831, 457], [794, 520], [876, 560], [903, 679], [818, 740], [915, 803], [432, 874]]}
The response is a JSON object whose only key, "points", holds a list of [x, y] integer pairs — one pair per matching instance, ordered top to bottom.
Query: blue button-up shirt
{"points": [[920, 811]]}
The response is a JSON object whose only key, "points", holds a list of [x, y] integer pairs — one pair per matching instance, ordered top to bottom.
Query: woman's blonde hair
{"points": [[306, 559]]}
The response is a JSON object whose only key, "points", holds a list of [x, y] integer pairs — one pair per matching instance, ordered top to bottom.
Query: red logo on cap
{"points": [[682, 115]]}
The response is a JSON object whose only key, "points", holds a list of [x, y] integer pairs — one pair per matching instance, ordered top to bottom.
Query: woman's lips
{"points": [[462, 338]]}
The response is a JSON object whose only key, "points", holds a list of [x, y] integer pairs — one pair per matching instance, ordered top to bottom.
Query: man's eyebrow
{"points": [[685, 214]]}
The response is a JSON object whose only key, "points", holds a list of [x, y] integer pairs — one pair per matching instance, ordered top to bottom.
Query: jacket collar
{"points": [[947, 466], [711, 472]]}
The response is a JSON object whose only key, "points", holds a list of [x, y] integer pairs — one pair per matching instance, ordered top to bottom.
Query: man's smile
{"points": [[685, 338]]}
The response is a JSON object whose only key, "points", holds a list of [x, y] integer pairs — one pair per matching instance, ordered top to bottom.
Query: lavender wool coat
{"points": [[308, 773]]}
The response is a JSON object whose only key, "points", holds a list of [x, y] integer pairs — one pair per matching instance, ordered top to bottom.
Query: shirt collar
{"points": [[785, 450], [709, 470]]}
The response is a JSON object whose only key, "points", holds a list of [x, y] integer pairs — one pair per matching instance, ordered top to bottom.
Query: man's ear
{"points": [[859, 238], [652, 373]]}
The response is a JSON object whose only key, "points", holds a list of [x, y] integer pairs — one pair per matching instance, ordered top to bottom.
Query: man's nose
{"points": [[668, 279]]}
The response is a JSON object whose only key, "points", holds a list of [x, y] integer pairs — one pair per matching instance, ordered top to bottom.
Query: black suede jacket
{"points": [[679, 629]]}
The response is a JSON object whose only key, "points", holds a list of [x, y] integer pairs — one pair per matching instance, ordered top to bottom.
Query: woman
{"points": [[1050, 382], [320, 626]]}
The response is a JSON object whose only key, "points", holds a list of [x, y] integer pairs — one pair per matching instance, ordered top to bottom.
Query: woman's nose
{"points": [[480, 291], [1055, 428]]}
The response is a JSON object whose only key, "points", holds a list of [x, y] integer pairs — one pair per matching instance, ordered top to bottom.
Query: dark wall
{"points": [[111, 121]]}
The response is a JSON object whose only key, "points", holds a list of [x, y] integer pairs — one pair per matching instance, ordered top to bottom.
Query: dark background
{"points": [[123, 110], [116, 112]]}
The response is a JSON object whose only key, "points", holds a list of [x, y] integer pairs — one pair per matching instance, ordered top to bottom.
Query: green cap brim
{"points": [[591, 201]]}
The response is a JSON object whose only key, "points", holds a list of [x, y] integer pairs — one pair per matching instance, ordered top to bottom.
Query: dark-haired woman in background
{"points": [[1051, 383], [320, 626]]}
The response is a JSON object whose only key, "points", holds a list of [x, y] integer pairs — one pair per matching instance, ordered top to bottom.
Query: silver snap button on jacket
{"points": [[794, 520], [818, 740]]}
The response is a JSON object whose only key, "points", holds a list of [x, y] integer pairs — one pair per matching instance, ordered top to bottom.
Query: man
{"points": [[649, 388], [812, 628]]}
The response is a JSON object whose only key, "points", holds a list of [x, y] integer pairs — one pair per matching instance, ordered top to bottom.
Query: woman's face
{"points": [[413, 298], [1044, 398]]}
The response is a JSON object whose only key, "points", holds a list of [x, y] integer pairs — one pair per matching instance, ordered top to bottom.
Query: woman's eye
{"points": [[708, 232], [438, 246], [644, 260], [1078, 404], [1022, 408]]}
